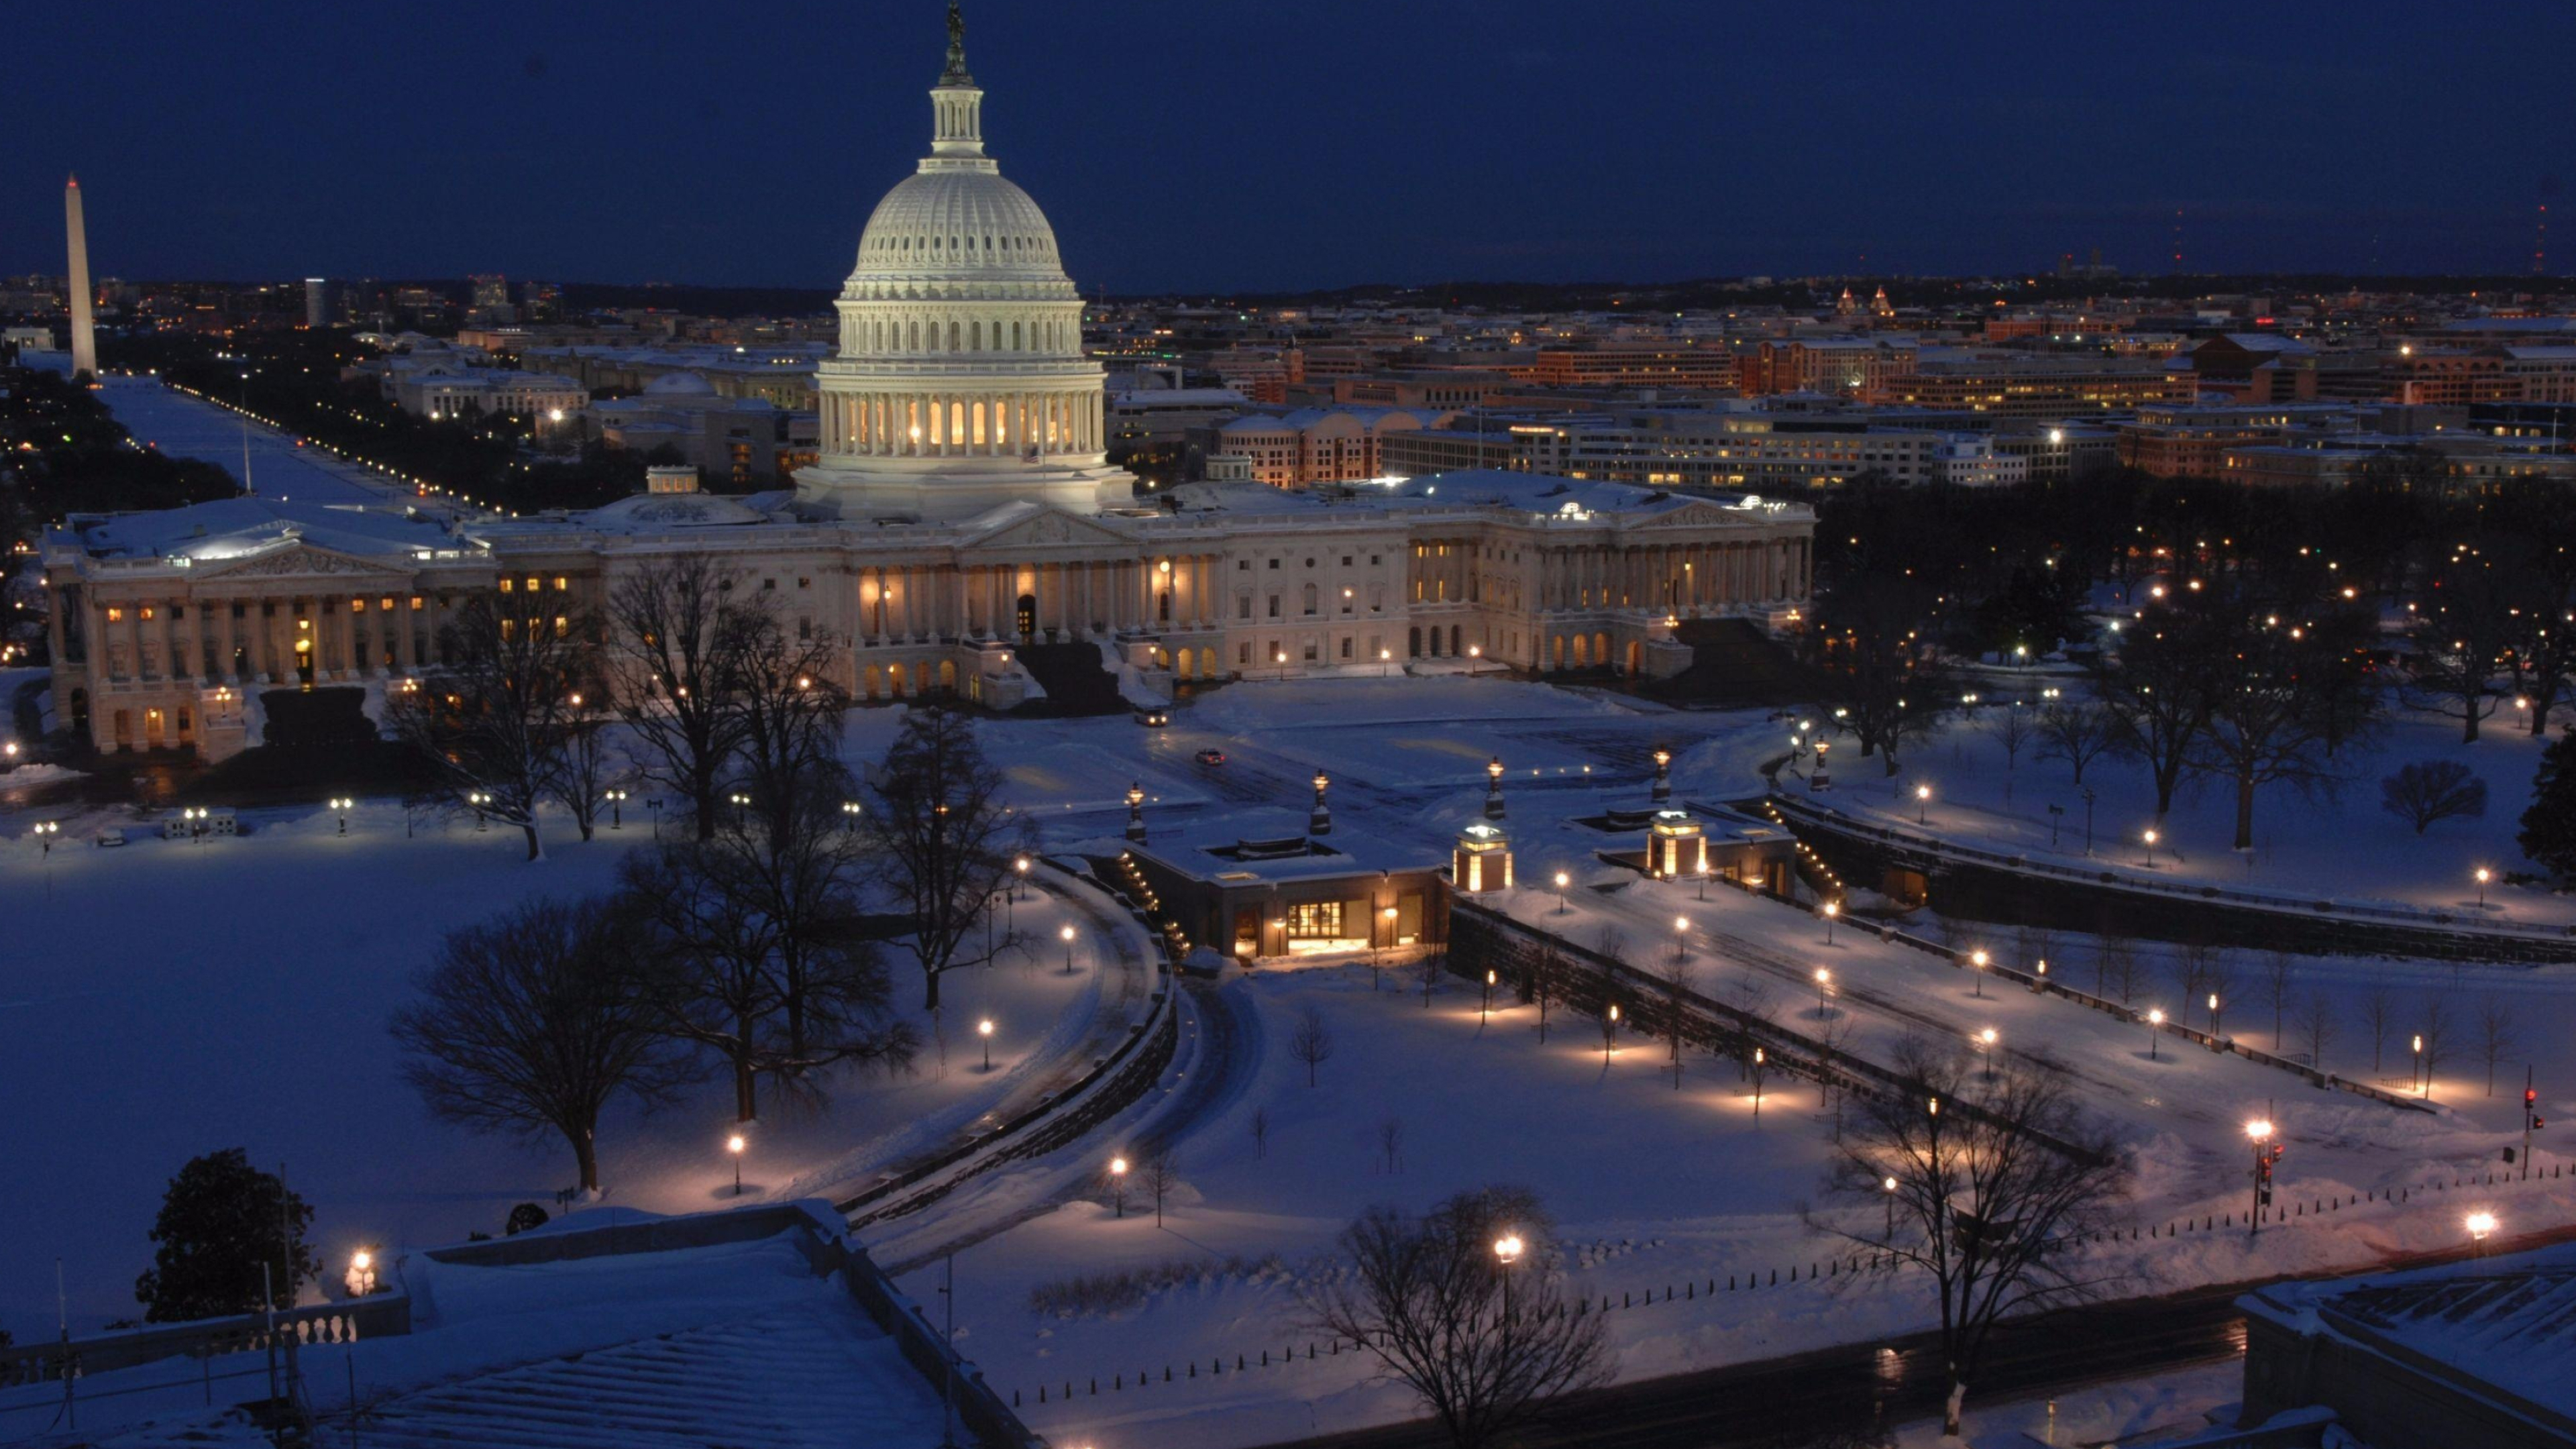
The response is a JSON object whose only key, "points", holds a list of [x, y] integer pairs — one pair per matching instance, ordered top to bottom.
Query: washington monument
{"points": [[84, 327]]}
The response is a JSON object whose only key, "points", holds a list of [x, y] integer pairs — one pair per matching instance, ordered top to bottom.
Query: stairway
{"points": [[1734, 663], [1075, 682]]}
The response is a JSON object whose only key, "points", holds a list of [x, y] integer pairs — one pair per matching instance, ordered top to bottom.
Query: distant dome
{"points": [[679, 384]]}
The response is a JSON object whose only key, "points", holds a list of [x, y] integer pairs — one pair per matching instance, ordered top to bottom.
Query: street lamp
{"points": [[1385, 662], [1494, 788], [478, 799], [740, 803], [342, 804], [1922, 804], [616, 808], [851, 810], [2151, 850], [1022, 866], [2484, 875], [1562, 881], [1829, 910], [1065, 934], [1681, 940], [1977, 959], [1824, 978], [1487, 1013], [2213, 1015], [2155, 1028], [984, 1029], [1609, 1029], [1986, 1048], [2422, 1087], [2259, 1132], [734, 1144], [1118, 1184], [1889, 1185], [2481, 1225], [1507, 1251], [361, 1278]]}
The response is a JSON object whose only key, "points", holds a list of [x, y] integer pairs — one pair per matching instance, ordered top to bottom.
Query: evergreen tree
{"points": [[2549, 826], [220, 1221]]}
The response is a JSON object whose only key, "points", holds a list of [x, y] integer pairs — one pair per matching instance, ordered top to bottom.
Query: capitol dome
{"points": [[959, 383]]}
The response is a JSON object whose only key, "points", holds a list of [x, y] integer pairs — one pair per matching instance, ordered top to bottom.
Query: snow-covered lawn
{"points": [[2343, 844], [169, 999]]}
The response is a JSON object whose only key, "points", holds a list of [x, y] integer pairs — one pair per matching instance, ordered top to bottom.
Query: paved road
{"points": [[1788, 1401]]}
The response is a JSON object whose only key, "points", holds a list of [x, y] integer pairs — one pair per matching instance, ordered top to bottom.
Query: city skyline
{"points": [[1537, 146]]}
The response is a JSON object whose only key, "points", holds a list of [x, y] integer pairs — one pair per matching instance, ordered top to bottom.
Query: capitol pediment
{"points": [[1700, 514], [1050, 528], [301, 560]]}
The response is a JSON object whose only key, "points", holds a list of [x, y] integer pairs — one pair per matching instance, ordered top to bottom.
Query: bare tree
{"points": [[673, 623], [2154, 698], [787, 709], [493, 716], [2262, 725], [2012, 728], [2076, 731], [587, 764], [2427, 791], [943, 838], [2031, 946], [704, 965], [2189, 968], [2279, 968], [2115, 969], [1427, 971], [1674, 974], [2217, 979], [1546, 980], [2378, 1017], [527, 1025], [2317, 1027], [1833, 1036], [2497, 1036], [1312, 1043], [1261, 1130], [1390, 1141], [1160, 1175], [1987, 1203], [1480, 1341]]}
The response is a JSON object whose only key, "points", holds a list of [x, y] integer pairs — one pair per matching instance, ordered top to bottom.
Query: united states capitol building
{"points": [[961, 532]]}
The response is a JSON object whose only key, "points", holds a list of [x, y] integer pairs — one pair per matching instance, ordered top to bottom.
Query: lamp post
{"points": [[1385, 662], [1663, 776], [1494, 788], [2089, 797], [478, 799], [653, 803], [741, 803], [1922, 804], [341, 805], [616, 808], [851, 810], [1136, 812], [1319, 821], [2151, 850], [1021, 865], [2484, 875], [1562, 881], [1829, 910], [1066, 935], [1681, 942], [1977, 959], [1824, 978], [1487, 1012], [2213, 1015], [2155, 1028], [1609, 1030], [1986, 1049], [1758, 1060], [2423, 1087], [2259, 1132], [734, 1144], [1118, 1184], [1889, 1185], [2481, 1226], [1507, 1251], [361, 1277]]}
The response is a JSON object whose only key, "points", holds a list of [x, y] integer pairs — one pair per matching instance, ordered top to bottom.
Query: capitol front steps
{"points": [[1074, 678]]}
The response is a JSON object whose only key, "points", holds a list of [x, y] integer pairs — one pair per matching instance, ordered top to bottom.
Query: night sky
{"points": [[1227, 144]]}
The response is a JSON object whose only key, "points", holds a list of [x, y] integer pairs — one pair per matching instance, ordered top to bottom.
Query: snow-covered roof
{"points": [[233, 527], [2507, 1323]]}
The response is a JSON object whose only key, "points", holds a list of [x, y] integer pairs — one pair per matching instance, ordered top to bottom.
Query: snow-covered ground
{"points": [[181, 426], [2341, 844], [168, 999], [245, 1006]]}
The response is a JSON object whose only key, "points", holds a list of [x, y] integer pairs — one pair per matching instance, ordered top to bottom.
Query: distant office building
{"points": [[490, 290], [317, 302], [1630, 364], [2036, 387], [744, 442], [1313, 445]]}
